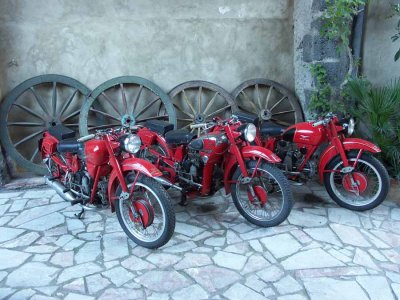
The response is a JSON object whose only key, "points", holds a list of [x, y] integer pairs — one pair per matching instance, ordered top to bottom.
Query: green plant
{"points": [[396, 36], [321, 97], [379, 110]]}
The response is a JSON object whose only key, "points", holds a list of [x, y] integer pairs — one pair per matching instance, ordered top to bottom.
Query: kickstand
{"points": [[184, 201], [80, 215]]}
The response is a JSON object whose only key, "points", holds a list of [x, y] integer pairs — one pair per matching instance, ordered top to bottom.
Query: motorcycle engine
{"points": [[193, 165], [79, 182]]}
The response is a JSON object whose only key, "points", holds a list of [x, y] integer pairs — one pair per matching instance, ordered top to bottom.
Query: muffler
{"points": [[167, 183], [59, 188]]}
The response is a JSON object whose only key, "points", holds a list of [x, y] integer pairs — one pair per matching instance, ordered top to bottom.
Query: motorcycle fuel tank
{"points": [[304, 133], [211, 142], [96, 152]]}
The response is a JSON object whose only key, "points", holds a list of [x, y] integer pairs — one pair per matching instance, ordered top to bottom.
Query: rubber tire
{"points": [[381, 171], [286, 190], [166, 202]]}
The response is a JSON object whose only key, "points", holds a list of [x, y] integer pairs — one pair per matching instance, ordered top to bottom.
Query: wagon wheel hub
{"points": [[265, 114], [200, 118], [128, 120]]}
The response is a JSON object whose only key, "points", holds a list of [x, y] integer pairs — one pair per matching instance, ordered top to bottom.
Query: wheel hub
{"points": [[265, 114], [200, 118], [128, 120], [360, 182], [144, 212]]}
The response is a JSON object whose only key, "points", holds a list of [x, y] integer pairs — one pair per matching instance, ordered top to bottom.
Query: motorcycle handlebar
{"points": [[315, 124], [86, 138]]}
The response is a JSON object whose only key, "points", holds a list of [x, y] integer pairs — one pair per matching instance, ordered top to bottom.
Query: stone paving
{"points": [[321, 252]]}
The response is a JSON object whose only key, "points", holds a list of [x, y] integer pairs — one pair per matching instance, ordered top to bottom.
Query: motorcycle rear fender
{"points": [[149, 138], [348, 144], [248, 152], [131, 164]]}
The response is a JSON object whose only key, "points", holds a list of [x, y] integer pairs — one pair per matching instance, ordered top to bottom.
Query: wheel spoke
{"points": [[268, 96], [258, 97], [124, 98], [199, 98], [54, 99], [137, 99], [248, 100], [39, 101], [110, 102], [188, 102], [67, 103], [277, 103], [209, 105], [147, 107], [245, 109], [28, 110], [218, 111], [184, 112], [284, 112], [75, 113], [104, 114], [152, 118], [185, 120], [281, 122], [29, 124], [72, 124], [104, 126], [29, 137], [34, 154]]}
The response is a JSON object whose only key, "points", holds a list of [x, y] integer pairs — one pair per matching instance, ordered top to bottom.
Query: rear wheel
{"points": [[364, 188], [273, 201], [147, 217]]}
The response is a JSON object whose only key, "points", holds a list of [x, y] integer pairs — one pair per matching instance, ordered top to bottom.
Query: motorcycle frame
{"points": [[338, 144], [236, 154]]}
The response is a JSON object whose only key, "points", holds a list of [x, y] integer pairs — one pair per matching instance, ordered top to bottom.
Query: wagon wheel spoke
{"points": [[271, 88], [258, 96], [137, 98], [54, 99], [199, 99], [39, 101], [249, 101], [111, 102], [188, 102], [67, 103], [125, 103], [211, 103], [277, 103], [143, 110], [183, 111], [219, 111], [284, 112], [74, 114], [104, 114], [152, 118], [281, 122], [25, 124], [72, 124], [104, 126], [29, 137], [34, 155]]}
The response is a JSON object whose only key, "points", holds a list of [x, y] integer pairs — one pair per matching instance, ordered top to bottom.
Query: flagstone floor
{"points": [[321, 252]]}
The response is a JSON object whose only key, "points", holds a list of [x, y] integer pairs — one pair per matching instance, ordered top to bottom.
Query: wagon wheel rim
{"points": [[270, 100], [125, 101], [200, 101], [32, 108]]}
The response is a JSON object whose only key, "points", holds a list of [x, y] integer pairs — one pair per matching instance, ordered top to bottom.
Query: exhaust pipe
{"points": [[165, 182], [59, 188]]}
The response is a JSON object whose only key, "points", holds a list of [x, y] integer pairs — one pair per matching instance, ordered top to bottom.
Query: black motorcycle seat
{"points": [[159, 126], [271, 129], [60, 132], [179, 137], [70, 145]]}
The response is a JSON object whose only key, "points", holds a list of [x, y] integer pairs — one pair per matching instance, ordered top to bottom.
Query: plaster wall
{"points": [[168, 42], [378, 65]]}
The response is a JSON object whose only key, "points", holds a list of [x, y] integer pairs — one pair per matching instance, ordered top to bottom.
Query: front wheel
{"points": [[362, 189], [266, 200], [147, 217]]}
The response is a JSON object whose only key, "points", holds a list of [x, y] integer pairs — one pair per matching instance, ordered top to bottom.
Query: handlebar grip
{"points": [[315, 124], [200, 125], [86, 138]]}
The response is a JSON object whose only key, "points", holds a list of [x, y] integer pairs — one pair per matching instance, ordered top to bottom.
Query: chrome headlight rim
{"points": [[351, 126], [250, 132], [131, 143]]}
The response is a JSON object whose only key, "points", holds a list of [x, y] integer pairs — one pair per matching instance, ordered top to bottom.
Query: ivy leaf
{"points": [[397, 56]]}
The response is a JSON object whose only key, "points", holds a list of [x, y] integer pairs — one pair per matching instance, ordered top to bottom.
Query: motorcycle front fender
{"points": [[348, 145], [248, 152], [131, 164]]}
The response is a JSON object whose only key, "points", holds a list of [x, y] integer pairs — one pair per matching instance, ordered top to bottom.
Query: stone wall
{"points": [[168, 42]]}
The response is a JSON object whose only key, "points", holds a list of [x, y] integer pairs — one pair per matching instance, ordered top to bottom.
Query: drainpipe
{"points": [[358, 40]]}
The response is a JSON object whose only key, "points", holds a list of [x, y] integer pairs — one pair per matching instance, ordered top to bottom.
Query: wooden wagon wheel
{"points": [[126, 100], [270, 100], [199, 101], [34, 106]]}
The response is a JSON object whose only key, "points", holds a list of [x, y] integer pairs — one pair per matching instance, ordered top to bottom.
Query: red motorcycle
{"points": [[221, 156], [100, 169], [352, 176]]}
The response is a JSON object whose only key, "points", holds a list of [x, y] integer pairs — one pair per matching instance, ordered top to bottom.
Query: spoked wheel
{"points": [[270, 100], [127, 101], [200, 101], [34, 106], [364, 188], [272, 200], [147, 217]]}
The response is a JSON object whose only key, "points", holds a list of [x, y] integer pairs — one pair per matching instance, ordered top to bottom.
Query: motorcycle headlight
{"points": [[350, 128], [250, 132], [131, 143]]}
